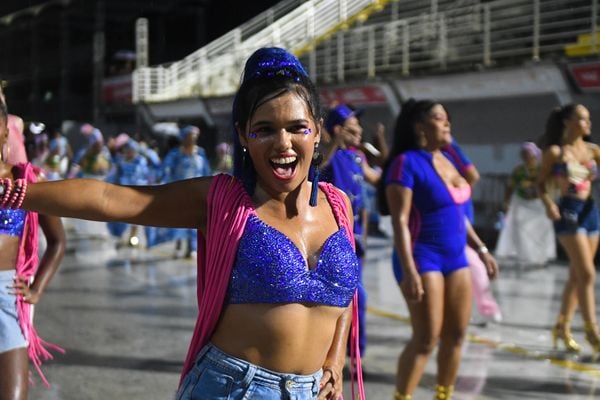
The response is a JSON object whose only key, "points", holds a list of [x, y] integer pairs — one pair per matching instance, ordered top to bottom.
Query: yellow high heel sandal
{"points": [[562, 331], [593, 337], [443, 392], [398, 396]]}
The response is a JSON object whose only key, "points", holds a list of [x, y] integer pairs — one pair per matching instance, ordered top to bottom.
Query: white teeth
{"points": [[283, 160]]}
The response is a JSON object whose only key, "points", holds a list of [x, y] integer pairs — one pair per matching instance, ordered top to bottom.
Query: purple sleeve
{"points": [[458, 157], [401, 172]]}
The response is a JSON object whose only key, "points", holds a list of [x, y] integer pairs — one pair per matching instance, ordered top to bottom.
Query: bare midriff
{"points": [[9, 248], [287, 338]]}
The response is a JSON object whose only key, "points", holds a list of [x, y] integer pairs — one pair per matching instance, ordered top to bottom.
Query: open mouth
{"points": [[284, 167]]}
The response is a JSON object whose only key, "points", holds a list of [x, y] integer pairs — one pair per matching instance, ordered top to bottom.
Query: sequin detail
{"points": [[12, 222], [269, 268]]}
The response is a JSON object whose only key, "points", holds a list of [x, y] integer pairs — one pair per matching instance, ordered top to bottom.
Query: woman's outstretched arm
{"points": [[178, 204]]}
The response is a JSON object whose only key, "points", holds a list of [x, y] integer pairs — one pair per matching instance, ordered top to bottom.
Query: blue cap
{"points": [[338, 115], [188, 130], [132, 144]]}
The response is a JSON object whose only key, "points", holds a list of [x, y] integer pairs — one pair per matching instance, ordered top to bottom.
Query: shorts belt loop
{"points": [[202, 352], [249, 375], [317, 382]]}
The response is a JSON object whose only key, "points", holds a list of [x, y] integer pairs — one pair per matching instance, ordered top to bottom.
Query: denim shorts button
{"points": [[289, 384]]}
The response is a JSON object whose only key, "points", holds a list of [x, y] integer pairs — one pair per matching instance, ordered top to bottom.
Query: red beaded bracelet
{"points": [[6, 185], [22, 185], [15, 194]]}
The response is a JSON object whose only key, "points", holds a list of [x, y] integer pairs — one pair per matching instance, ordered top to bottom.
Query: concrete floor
{"points": [[126, 327]]}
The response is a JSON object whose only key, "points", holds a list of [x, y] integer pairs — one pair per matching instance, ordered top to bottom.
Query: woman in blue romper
{"points": [[348, 170], [425, 196]]}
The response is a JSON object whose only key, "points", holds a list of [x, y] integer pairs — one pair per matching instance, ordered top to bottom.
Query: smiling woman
{"points": [[281, 141], [270, 256]]}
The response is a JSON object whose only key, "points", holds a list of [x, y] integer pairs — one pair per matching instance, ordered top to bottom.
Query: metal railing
{"points": [[475, 35], [214, 69]]}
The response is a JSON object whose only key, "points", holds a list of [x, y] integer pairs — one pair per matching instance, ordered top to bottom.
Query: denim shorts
{"points": [[577, 216], [11, 336], [219, 376]]}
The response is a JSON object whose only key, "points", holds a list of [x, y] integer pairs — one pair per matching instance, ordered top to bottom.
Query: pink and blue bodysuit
{"points": [[437, 220]]}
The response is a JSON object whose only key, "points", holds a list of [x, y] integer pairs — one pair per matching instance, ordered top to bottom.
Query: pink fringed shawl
{"points": [[228, 208], [27, 265]]}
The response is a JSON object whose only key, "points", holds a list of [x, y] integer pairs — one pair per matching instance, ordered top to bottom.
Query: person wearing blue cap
{"points": [[185, 162], [129, 168], [348, 169]]}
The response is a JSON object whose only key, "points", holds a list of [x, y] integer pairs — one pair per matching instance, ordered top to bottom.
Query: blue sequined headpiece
{"points": [[272, 61], [263, 63]]}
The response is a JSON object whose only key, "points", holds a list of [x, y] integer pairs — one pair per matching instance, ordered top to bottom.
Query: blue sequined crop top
{"points": [[12, 222], [269, 268]]}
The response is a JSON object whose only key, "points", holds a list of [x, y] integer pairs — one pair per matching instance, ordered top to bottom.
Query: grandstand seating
{"points": [[417, 37], [349, 40], [214, 69]]}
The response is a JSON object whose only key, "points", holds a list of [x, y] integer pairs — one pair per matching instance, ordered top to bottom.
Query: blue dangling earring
{"points": [[316, 161]]}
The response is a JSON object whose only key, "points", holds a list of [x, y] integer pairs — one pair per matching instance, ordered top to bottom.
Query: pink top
{"points": [[460, 194], [228, 208], [27, 265]]}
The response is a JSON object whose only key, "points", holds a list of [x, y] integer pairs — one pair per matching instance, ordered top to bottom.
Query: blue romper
{"points": [[437, 223]]}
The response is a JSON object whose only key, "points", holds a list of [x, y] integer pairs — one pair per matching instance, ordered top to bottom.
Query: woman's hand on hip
{"points": [[21, 288], [330, 387]]}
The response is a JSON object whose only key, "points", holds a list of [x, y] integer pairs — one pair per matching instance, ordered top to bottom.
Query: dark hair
{"points": [[260, 84], [3, 111], [555, 125], [405, 138]]}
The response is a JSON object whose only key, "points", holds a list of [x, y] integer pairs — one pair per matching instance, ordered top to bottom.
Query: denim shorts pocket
{"points": [[7, 301], [212, 383], [185, 388]]}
